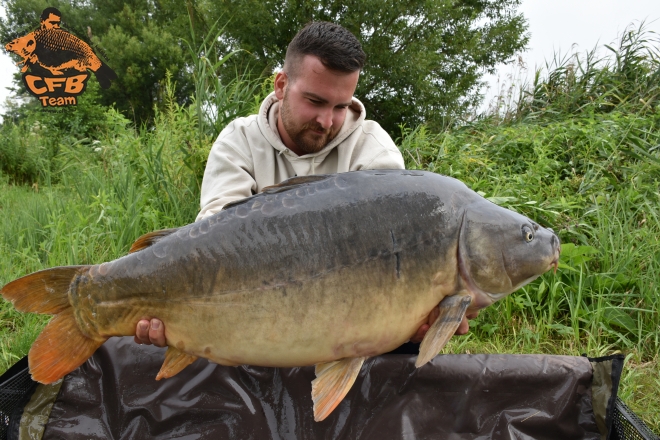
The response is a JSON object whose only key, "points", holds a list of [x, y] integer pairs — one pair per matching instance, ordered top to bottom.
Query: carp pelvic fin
{"points": [[148, 239], [452, 311], [60, 348], [175, 361], [333, 380]]}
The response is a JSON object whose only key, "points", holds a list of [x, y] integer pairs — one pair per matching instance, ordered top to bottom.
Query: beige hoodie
{"points": [[249, 155]]}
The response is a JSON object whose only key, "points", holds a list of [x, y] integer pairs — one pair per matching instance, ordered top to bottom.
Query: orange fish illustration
{"points": [[56, 50]]}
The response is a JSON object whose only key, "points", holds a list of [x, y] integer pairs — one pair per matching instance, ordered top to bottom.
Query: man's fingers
{"points": [[433, 315], [472, 315], [463, 327], [421, 331], [142, 332], [150, 332], [157, 333]]}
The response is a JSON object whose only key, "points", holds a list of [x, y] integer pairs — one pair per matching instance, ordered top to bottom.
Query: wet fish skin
{"points": [[259, 261], [314, 270]]}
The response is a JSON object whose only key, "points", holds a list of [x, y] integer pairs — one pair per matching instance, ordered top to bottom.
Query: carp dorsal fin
{"points": [[293, 181], [274, 189], [147, 240], [452, 310], [175, 361], [333, 380]]}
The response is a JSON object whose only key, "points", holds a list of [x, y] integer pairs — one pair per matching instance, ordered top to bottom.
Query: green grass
{"points": [[109, 191]]}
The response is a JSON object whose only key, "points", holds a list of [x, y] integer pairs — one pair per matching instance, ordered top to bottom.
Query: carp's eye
{"points": [[527, 233]]}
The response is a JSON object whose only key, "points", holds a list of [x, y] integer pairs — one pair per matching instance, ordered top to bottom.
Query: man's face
{"points": [[52, 22], [313, 106]]}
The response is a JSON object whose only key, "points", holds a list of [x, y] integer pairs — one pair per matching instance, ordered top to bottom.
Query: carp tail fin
{"points": [[44, 292], [452, 310], [61, 347], [333, 381]]}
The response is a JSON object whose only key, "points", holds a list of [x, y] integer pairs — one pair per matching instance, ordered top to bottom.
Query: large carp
{"points": [[322, 270]]}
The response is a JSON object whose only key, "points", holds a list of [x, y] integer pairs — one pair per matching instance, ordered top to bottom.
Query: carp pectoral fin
{"points": [[147, 240], [452, 310], [60, 348], [175, 361], [333, 380]]}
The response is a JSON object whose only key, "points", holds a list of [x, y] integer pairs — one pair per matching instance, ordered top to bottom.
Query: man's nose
{"points": [[325, 118]]}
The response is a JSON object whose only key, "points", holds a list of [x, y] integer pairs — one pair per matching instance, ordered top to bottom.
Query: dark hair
{"points": [[46, 13], [335, 46]]}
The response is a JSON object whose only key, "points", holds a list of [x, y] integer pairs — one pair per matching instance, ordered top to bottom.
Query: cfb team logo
{"points": [[58, 62]]}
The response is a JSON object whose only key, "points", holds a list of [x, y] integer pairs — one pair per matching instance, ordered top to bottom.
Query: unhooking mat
{"points": [[114, 396]]}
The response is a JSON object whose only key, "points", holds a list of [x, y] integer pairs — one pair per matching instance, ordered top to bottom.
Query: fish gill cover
{"points": [[58, 62]]}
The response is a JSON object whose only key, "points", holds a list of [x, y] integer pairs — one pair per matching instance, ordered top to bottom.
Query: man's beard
{"points": [[302, 135]]}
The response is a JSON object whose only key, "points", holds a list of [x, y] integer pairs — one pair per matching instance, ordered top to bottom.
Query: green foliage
{"points": [[142, 53], [424, 58], [219, 103], [31, 137], [22, 156], [594, 179], [109, 192]]}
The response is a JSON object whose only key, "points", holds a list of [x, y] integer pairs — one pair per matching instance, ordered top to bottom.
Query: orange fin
{"points": [[147, 240], [45, 291], [452, 311], [60, 348], [175, 361], [333, 380]]}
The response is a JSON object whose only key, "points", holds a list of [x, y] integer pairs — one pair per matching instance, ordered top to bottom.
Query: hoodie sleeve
{"points": [[228, 176]]}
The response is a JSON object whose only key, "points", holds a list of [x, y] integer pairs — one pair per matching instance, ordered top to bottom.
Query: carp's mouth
{"points": [[555, 263]]}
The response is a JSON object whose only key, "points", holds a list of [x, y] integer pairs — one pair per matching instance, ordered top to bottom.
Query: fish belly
{"points": [[347, 313]]}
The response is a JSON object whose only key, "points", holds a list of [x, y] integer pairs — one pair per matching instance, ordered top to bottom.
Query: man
{"points": [[50, 18], [310, 124]]}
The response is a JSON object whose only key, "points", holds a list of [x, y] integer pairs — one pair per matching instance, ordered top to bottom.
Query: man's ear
{"points": [[281, 81]]}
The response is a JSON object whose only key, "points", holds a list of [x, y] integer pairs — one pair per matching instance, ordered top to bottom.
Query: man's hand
{"points": [[462, 329], [150, 332]]}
